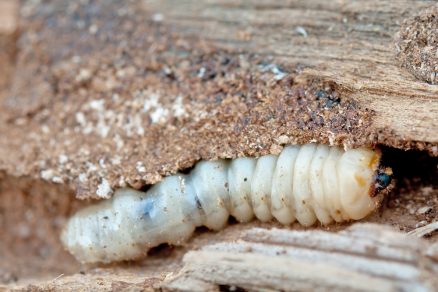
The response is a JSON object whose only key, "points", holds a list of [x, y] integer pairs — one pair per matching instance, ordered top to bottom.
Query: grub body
{"points": [[307, 183]]}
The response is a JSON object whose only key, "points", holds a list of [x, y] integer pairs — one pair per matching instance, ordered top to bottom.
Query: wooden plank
{"points": [[349, 43], [364, 257]]}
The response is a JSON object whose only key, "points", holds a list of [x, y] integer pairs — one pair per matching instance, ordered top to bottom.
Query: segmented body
{"points": [[306, 183]]}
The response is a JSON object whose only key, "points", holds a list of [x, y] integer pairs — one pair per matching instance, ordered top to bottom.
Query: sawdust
{"points": [[417, 45], [109, 102]]}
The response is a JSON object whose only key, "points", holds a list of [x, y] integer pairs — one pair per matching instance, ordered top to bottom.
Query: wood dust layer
{"points": [[417, 45], [106, 96]]}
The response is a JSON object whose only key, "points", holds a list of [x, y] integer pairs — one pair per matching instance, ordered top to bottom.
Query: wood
{"points": [[8, 17], [8, 31], [349, 43], [151, 90], [425, 230], [364, 257]]}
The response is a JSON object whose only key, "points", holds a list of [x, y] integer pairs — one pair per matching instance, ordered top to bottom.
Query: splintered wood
{"points": [[349, 43], [425, 230], [364, 257]]}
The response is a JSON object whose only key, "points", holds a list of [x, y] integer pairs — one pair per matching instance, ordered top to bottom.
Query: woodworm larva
{"points": [[307, 183]]}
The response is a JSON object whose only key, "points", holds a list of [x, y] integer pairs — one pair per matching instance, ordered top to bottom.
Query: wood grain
{"points": [[8, 17], [8, 34], [349, 43], [163, 84], [364, 257]]}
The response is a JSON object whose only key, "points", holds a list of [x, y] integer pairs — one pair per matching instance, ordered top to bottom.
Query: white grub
{"points": [[307, 183]]}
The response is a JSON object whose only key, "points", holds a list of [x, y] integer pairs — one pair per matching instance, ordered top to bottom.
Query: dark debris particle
{"points": [[328, 98], [230, 288]]}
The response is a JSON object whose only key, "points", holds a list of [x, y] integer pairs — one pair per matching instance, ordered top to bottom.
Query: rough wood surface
{"points": [[8, 17], [8, 34], [349, 43], [105, 97], [425, 230], [364, 257]]}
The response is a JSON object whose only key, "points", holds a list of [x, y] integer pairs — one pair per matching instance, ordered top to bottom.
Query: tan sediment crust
{"points": [[106, 96]]}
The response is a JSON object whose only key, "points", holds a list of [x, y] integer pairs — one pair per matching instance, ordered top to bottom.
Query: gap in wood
{"points": [[411, 168]]}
